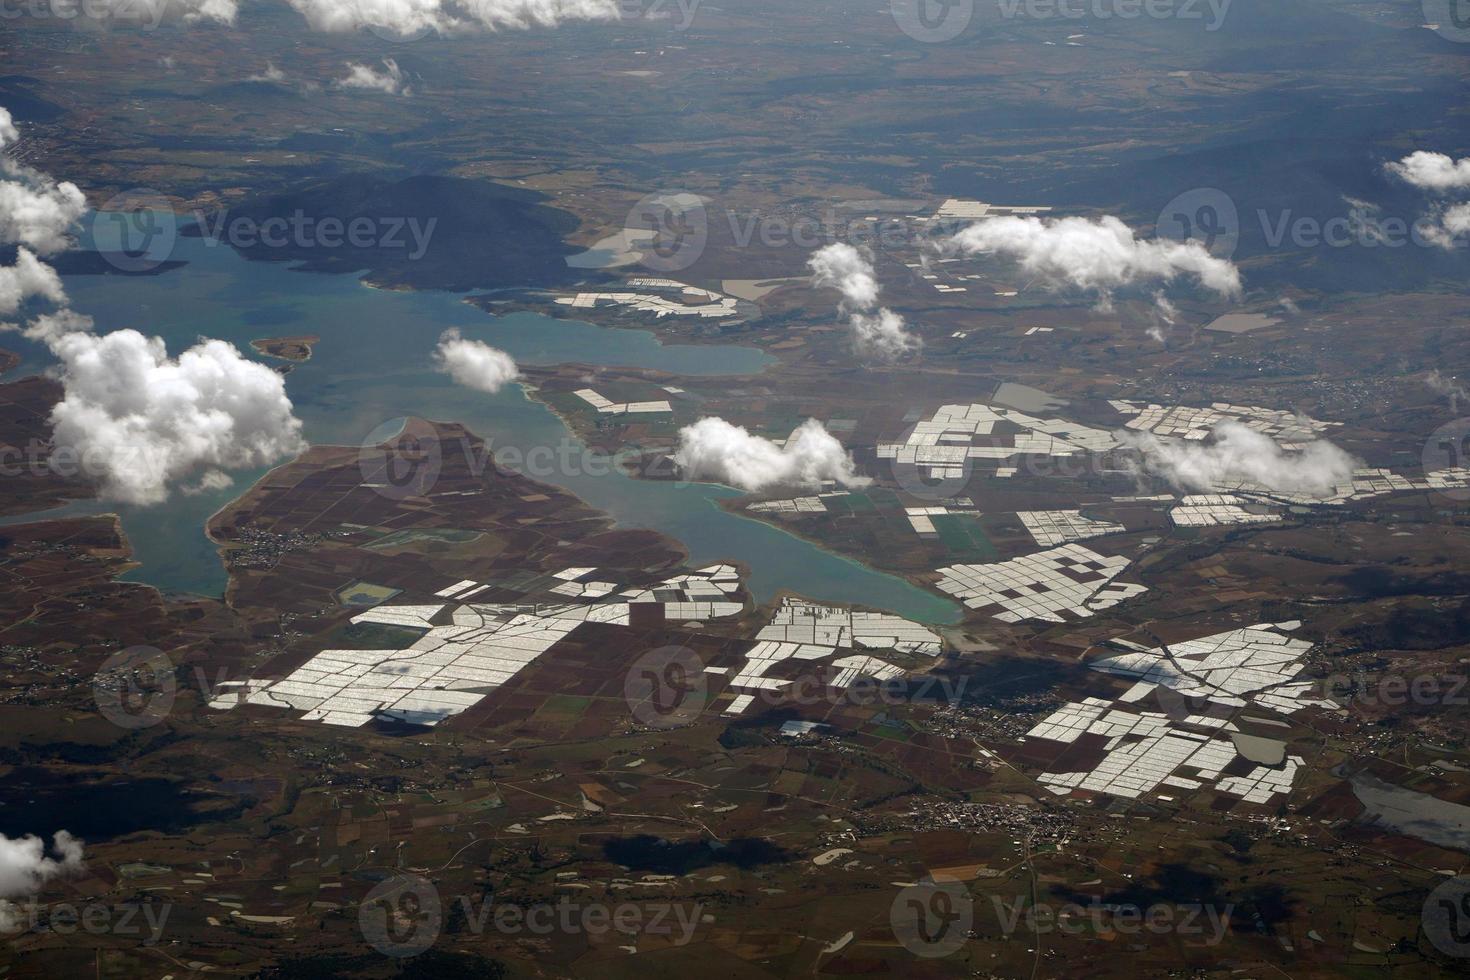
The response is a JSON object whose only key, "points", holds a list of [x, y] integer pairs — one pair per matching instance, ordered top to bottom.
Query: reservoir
{"points": [[373, 365]]}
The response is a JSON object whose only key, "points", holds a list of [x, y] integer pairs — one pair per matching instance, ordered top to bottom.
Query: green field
{"points": [[965, 538]]}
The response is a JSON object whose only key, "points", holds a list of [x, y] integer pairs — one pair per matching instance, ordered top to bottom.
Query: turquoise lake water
{"points": [[374, 365]]}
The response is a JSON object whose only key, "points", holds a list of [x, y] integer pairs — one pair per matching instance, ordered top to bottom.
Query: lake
{"points": [[373, 365]]}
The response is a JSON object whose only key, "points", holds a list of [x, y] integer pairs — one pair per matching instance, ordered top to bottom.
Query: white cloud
{"points": [[195, 10], [148, 14], [409, 17], [401, 18], [271, 74], [389, 80], [1432, 171], [1438, 173], [34, 209], [35, 213], [39, 213], [1457, 219], [1365, 222], [1449, 227], [1095, 254], [845, 269], [28, 277], [1166, 309], [1164, 313], [49, 326], [881, 335], [473, 363], [1449, 387], [133, 417], [139, 420], [713, 449], [1238, 454], [211, 480], [25, 867]]}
